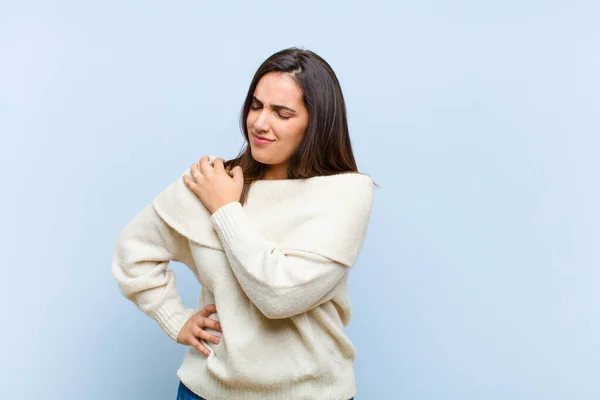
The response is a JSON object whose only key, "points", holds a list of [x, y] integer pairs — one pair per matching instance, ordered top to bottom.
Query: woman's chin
{"points": [[259, 155]]}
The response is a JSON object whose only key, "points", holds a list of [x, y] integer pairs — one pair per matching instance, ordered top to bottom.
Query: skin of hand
{"points": [[214, 185], [193, 329]]}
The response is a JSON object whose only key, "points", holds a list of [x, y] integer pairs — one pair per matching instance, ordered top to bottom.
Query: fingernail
{"points": [[217, 340]]}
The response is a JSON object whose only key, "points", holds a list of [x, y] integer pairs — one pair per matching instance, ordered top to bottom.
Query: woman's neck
{"points": [[275, 173]]}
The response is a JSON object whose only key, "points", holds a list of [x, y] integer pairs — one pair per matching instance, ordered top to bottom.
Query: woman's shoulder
{"points": [[344, 181], [344, 191]]}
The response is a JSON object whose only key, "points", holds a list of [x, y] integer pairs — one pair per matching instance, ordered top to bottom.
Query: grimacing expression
{"points": [[277, 113]]}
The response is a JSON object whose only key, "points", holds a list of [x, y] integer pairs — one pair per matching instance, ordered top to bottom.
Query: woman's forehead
{"points": [[278, 88]]}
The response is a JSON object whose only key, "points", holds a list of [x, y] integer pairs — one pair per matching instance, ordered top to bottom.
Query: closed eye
{"points": [[255, 107]]}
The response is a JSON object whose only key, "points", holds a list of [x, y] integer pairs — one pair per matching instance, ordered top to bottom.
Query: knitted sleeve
{"points": [[140, 265], [283, 280]]}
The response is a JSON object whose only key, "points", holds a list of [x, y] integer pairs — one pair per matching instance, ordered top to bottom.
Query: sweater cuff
{"points": [[229, 221], [171, 318]]}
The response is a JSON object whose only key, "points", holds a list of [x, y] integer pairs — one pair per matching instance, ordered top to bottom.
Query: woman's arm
{"points": [[139, 264], [293, 276], [280, 282]]}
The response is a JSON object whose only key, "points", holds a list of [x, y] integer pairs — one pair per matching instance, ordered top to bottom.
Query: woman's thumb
{"points": [[238, 174]]}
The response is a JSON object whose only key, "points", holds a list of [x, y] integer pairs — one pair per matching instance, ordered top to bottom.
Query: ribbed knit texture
{"points": [[277, 270]]}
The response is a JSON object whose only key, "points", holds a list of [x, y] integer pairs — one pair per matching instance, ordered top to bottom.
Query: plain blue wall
{"points": [[479, 120]]}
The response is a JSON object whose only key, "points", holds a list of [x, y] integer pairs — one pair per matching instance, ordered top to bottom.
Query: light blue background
{"points": [[479, 120]]}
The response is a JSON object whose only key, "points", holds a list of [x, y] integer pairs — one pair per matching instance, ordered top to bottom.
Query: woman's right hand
{"points": [[193, 329]]}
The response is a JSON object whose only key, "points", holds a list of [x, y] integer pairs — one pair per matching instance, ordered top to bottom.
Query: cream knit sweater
{"points": [[276, 268]]}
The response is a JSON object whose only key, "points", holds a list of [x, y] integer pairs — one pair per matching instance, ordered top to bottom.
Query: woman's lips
{"points": [[260, 141]]}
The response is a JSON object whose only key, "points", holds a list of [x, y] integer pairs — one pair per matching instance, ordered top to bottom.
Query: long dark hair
{"points": [[326, 147]]}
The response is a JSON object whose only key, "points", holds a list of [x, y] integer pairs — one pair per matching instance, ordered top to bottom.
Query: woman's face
{"points": [[278, 114]]}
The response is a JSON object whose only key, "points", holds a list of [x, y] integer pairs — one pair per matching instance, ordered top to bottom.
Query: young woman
{"points": [[271, 236]]}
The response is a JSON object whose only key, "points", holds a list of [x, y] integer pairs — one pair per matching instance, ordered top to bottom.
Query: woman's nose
{"points": [[261, 124]]}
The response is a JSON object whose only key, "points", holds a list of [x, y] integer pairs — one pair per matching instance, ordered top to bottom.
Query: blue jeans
{"points": [[183, 393]]}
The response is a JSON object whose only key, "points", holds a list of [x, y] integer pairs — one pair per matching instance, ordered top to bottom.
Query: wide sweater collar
{"points": [[327, 215]]}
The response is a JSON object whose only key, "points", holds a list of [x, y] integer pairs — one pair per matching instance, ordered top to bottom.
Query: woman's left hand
{"points": [[213, 184]]}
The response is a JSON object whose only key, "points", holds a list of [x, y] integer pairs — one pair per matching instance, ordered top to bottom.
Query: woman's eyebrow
{"points": [[275, 106]]}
